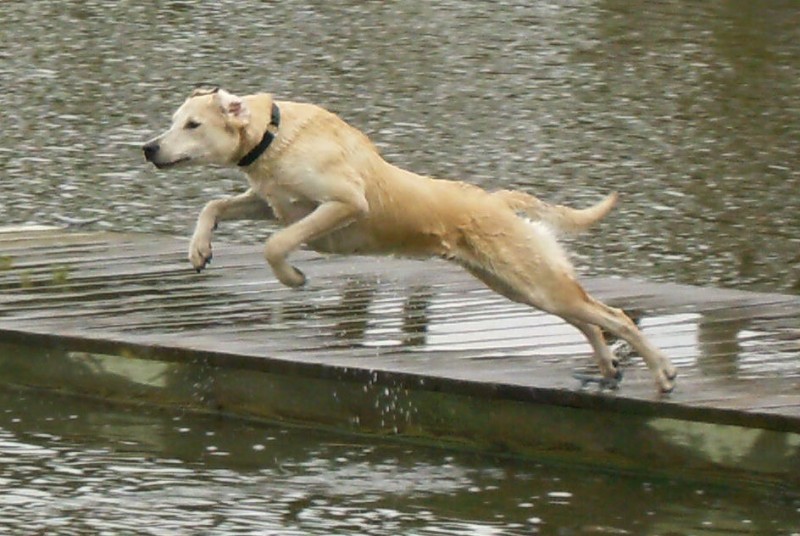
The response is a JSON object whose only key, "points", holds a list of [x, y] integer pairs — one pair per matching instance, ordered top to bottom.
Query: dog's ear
{"points": [[200, 91], [233, 107]]}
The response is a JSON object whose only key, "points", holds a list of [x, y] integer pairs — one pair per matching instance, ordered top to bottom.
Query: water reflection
{"points": [[732, 341], [748, 346]]}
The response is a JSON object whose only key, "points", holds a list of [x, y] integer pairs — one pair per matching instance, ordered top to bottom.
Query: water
{"points": [[690, 110], [73, 467]]}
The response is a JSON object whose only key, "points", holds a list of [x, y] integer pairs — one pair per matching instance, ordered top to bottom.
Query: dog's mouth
{"points": [[164, 165]]}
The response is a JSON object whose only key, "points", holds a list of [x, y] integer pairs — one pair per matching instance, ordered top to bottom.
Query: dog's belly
{"points": [[360, 238], [349, 240]]}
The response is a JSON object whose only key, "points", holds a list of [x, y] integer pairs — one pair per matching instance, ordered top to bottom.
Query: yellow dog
{"points": [[330, 188]]}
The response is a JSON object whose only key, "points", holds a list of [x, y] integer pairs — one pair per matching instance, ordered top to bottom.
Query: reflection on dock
{"points": [[386, 345]]}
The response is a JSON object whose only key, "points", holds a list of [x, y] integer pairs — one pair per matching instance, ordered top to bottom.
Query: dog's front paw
{"points": [[200, 252], [290, 276]]}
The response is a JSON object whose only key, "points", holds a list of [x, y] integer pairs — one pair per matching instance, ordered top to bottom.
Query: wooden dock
{"points": [[417, 349]]}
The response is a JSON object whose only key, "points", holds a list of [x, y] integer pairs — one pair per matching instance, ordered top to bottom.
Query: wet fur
{"points": [[330, 188]]}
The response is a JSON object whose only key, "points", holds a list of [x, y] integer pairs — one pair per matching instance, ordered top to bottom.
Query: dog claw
{"points": [[200, 261], [203, 265]]}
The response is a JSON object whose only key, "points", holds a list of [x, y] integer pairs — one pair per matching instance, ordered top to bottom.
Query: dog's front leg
{"points": [[239, 207], [327, 217]]}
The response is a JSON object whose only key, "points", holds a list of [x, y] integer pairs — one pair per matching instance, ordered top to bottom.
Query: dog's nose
{"points": [[150, 150]]}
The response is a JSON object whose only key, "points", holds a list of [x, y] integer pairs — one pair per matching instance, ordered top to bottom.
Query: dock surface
{"points": [[368, 321]]}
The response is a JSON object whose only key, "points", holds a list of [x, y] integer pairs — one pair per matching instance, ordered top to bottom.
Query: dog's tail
{"points": [[559, 217]]}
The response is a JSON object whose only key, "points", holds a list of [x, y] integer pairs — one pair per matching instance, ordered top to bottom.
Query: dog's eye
{"points": [[190, 124]]}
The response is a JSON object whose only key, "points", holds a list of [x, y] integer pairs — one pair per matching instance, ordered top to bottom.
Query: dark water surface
{"points": [[690, 109], [70, 467]]}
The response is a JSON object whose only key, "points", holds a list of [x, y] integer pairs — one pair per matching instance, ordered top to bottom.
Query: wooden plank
{"points": [[737, 352]]}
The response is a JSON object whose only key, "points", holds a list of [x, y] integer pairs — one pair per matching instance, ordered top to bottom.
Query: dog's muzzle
{"points": [[151, 152]]}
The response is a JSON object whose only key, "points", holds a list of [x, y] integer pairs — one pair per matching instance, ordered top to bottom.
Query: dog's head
{"points": [[208, 128]]}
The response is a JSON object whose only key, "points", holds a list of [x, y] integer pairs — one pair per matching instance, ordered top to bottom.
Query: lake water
{"points": [[689, 109], [72, 467]]}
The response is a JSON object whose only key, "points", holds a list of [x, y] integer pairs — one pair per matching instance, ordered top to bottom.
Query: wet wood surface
{"points": [[428, 324]]}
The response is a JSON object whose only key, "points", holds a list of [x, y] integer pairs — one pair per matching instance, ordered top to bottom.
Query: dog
{"points": [[327, 184]]}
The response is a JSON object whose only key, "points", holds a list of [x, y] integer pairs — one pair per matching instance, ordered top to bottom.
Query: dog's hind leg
{"points": [[559, 293], [615, 321], [609, 365]]}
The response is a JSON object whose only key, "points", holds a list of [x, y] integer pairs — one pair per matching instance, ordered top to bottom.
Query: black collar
{"points": [[258, 150]]}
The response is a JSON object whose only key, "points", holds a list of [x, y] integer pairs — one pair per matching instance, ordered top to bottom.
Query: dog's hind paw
{"points": [[666, 381]]}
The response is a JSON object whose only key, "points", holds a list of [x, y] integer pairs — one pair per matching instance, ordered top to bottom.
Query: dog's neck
{"points": [[266, 139]]}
